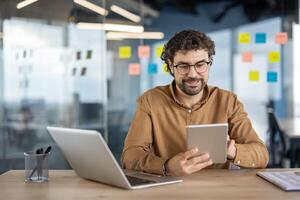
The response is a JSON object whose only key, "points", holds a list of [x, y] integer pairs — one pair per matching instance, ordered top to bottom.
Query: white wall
{"points": [[32, 52], [296, 69], [255, 95]]}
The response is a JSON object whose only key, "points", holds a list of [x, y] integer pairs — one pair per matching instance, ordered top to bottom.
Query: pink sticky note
{"points": [[281, 38], [144, 51], [247, 57], [134, 69]]}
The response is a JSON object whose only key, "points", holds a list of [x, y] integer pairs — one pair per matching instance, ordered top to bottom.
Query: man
{"points": [[156, 141]]}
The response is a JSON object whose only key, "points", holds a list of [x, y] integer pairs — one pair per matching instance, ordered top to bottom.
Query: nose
{"points": [[192, 72]]}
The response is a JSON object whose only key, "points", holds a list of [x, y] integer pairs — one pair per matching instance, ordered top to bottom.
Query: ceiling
{"points": [[63, 9], [254, 9]]}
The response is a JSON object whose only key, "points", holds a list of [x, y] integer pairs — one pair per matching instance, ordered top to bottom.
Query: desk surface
{"points": [[291, 126], [206, 184]]}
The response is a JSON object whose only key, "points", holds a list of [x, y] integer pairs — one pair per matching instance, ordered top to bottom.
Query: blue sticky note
{"points": [[260, 37], [152, 68], [272, 77]]}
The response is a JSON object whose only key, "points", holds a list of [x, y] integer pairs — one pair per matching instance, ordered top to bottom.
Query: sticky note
{"points": [[244, 38], [260, 38], [281, 38], [159, 50], [144, 51], [124, 52], [89, 54], [78, 55], [274, 56], [247, 57], [165, 67], [152, 68], [134, 69], [254, 76], [272, 77]]}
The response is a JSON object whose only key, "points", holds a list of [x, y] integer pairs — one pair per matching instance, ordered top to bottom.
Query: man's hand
{"points": [[231, 149], [187, 163]]}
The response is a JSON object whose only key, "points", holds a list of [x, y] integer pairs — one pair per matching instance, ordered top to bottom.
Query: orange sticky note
{"points": [[244, 38], [281, 38], [159, 50], [144, 51], [125, 52], [274, 56], [247, 57], [134, 69], [254, 76]]}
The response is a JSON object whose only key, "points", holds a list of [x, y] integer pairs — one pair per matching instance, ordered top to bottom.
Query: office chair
{"points": [[277, 143]]}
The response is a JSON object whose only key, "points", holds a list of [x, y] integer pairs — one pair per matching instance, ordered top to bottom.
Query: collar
{"points": [[172, 88]]}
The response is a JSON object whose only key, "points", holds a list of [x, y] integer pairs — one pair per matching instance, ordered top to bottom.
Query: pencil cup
{"points": [[36, 167]]}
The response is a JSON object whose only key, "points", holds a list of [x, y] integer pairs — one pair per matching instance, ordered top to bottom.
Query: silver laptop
{"points": [[90, 157], [286, 180]]}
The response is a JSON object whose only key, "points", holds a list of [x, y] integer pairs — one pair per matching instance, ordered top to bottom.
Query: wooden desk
{"points": [[291, 127], [207, 184]]}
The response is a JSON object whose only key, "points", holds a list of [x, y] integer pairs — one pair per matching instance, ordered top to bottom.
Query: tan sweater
{"points": [[158, 130]]}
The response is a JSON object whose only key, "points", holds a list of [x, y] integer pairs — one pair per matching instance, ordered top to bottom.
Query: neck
{"points": [[188, 100]]}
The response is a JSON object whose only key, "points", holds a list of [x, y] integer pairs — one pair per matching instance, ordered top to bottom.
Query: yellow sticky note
{"points": [[244, 38], [281, 38], [159, 50], [144, 51], [125, 52], [274, 56], [247, 57], [165, 67], [134, 69], [254, 76]]}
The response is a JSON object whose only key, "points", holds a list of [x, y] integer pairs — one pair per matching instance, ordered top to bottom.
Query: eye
{"points": [[200, 64], [183, 66]]}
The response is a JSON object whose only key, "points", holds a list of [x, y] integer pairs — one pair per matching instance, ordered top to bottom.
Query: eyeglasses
{"points": [[200, 67]]}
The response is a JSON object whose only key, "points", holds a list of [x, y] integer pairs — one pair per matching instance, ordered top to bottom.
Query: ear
{"points": [[171, 66], [172, 69]]}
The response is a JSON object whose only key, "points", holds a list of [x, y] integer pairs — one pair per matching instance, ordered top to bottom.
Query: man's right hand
{"points": [[187, 163]]}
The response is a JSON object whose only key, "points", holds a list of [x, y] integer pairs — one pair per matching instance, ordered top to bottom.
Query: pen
{"points": [[38, 165]]}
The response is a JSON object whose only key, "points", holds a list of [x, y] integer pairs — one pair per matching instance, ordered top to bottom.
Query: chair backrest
{"points": [[274, 129]]}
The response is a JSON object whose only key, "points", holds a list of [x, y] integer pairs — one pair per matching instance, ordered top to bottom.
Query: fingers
{"points": [[230, 144], [231, 149], [190, 153], [198, 159], [187, 163], [199, 166]]}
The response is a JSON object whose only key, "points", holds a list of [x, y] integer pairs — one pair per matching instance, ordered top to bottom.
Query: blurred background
{"points": [[83, 63]]}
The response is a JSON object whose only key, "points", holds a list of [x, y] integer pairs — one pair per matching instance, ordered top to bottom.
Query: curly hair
{"points": [[184, 41]]}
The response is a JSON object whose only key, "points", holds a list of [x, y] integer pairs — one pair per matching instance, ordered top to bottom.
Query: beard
{"points": [[191, 86]]}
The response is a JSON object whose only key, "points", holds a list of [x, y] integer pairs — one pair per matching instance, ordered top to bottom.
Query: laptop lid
{"points": [[89, 155], [91, 158]]}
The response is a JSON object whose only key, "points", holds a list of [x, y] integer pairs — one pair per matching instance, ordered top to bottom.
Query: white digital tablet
{"points": [[209, 138]]}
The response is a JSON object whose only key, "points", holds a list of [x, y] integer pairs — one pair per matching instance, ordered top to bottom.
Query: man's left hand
{"points": [[231, 149]]}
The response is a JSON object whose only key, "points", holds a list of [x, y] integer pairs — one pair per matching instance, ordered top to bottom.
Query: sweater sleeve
{"points": [[251, 151], [138, 152]]}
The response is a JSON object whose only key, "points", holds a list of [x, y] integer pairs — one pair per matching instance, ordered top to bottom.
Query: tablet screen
{"points": [[209, 138]]}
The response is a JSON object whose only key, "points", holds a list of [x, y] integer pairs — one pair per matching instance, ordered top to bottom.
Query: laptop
{"points": [[90, 157], [286, 180]]}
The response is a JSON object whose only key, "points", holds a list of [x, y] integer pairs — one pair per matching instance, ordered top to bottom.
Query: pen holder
{"points": [[36, 167]]}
